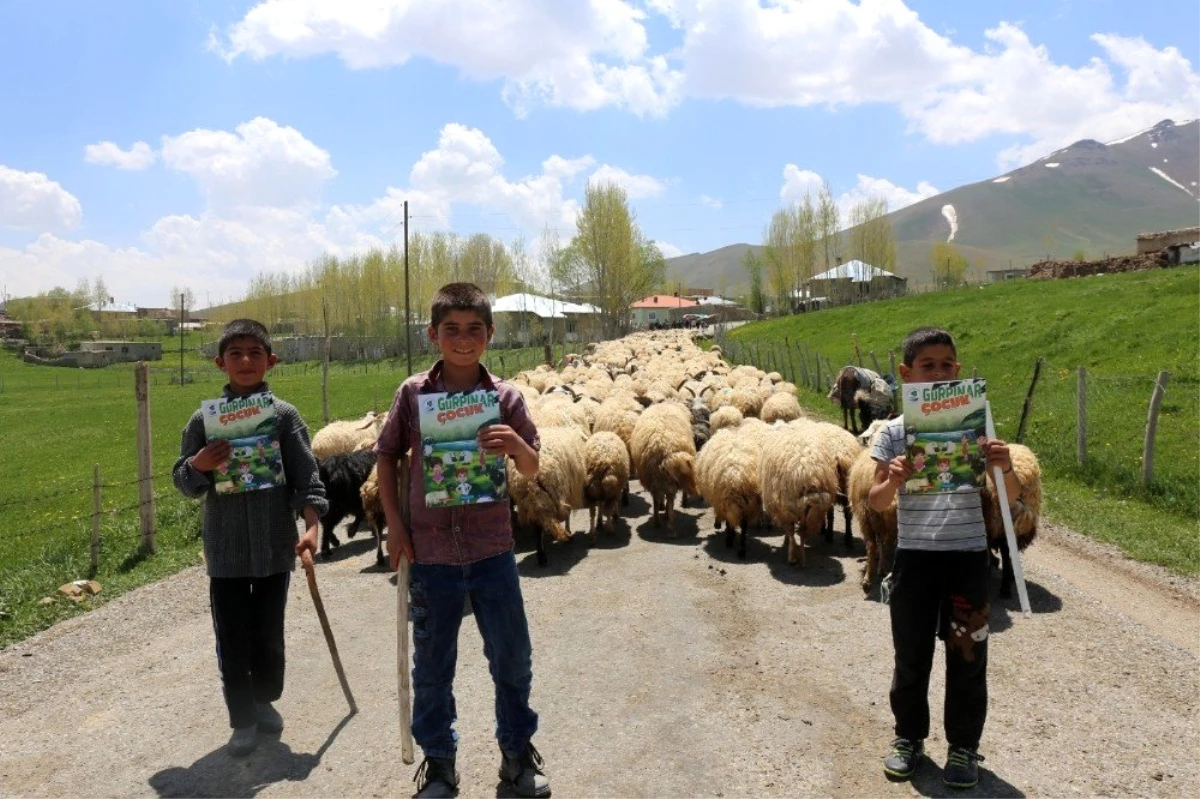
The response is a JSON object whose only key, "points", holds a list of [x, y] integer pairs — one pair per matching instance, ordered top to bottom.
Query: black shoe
{"points": [[901, 762], [962, 768], [526, 772], [437, 778]]}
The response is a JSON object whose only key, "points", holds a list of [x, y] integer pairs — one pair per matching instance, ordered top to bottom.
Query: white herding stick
{"points": [[1009, 535], [402, 661]]}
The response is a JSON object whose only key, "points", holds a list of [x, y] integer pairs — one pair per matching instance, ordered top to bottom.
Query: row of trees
{"points": [[805, 238], [609, 262], [363, 294], [65, 317]]}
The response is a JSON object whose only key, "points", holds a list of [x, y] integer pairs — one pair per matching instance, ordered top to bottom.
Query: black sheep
{"points": [[343, 476]]}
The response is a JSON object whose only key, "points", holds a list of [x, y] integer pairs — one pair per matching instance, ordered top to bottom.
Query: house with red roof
{"points": [[660, 309]]}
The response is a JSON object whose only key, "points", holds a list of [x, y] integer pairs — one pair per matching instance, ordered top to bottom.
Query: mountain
{"points": [[1088, 197]]}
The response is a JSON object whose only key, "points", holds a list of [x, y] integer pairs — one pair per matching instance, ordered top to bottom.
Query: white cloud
{"points": [[591, 54], [582, 55], [139, 156], [261, 163], [797, 182], [262, 183], [636, 187], [897, 196], [31, 201], [711, 202], [668, 249]]}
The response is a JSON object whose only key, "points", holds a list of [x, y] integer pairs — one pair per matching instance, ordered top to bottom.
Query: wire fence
{"points": [[1114, 454]]}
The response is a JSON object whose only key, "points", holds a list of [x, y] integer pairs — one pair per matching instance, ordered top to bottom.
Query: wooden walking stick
{"points": [[307, 562], [402, 658], [402, 661]]}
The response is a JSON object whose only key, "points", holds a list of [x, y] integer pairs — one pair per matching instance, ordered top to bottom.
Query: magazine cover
{"points": [[249, 425], [943, 425], [455, 470]]}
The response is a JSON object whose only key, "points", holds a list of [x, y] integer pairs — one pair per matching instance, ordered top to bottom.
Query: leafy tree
{"points": [[828, 223], [870, 238], [611, 255], [753, 265], [949, 265]]}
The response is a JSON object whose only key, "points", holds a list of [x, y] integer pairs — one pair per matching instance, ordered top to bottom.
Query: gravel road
{"points": [[662, 667]]}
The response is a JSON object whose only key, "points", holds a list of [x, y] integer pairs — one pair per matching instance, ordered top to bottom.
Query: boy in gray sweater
{"points": [[250, 539]]}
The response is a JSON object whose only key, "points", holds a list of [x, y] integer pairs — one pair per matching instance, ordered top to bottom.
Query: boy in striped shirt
{"points": [[939, 584]]}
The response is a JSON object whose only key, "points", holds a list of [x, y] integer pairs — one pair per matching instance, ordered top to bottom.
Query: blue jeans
{"points": [[438, 595]]}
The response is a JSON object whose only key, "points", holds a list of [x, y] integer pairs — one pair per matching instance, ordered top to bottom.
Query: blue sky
{"points": [[197, 143]]}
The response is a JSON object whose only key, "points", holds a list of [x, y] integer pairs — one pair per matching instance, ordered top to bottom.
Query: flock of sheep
{"points": [[655, 407]]}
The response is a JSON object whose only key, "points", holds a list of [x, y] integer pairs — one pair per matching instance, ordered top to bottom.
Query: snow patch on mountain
{"points": [[1167, 178], [952, 217]]}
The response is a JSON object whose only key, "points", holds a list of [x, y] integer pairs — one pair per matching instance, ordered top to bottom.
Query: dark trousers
{"points": [[438, 594], [940, 594], [247, 617]]}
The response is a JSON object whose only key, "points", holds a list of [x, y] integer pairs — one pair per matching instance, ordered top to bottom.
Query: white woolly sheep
{"points": [[780, 407], [723, 417], [342, 437], [845, 449], [664, 457], [606, 470], [727, 478], [799, 483], [545, 499], [373, 504], [877, 528]]}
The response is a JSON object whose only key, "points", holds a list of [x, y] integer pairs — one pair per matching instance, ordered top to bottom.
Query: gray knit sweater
{"points": [[253, 534]]}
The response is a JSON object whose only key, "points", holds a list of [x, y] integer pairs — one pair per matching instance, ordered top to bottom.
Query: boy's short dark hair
{"points": [[459, 297], [244, 328], [924, 337]]}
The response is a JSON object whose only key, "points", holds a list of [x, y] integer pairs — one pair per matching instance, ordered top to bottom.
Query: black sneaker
{"points": [[901, 762], [962, 768], [526, 773], [436, 778]]}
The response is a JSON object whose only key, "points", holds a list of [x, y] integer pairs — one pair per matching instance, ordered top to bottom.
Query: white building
{"points": [[524, 320]]}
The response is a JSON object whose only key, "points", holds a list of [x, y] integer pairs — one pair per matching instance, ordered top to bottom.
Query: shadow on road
{"points": [[687, 529], [349, 548], [819, 569], [1041, 600], [219, 774], [928, 782]]}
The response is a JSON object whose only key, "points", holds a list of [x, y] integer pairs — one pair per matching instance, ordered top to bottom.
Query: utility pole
{"points": [[181, 312], [407, 312]]}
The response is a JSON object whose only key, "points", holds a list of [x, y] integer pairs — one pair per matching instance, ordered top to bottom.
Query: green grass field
{"points": [[1122, 329], [55, 423]]}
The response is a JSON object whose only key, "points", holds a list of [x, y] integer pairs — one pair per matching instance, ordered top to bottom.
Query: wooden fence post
{"points": [[787, 346], [875, 362], [325, 364], [803, 366], [817, 387], [1160, 388], [1028, 406], [1081, 416], [145, 481], [95, 518]]}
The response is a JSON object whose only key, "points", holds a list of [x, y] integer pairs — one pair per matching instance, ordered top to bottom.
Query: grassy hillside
{"points": [[1122, 328]]}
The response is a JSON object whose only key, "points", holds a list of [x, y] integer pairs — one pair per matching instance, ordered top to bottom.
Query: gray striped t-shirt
{"points": [[938, 521]]}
